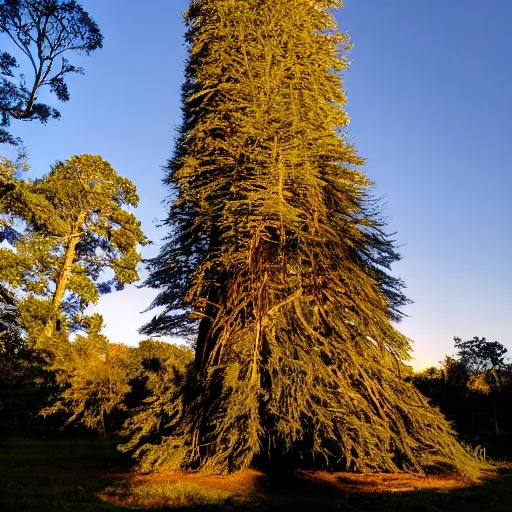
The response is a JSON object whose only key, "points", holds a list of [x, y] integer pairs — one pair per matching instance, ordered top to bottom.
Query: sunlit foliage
{"points": [[78, 228], [93, 376], [159, 380]]}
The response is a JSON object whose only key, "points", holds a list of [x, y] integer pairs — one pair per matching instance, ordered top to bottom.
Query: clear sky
{"points": [[430, 99]]}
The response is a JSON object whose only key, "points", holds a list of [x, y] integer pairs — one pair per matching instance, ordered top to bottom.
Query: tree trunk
{"points": [[64, 275], [495, 410]]}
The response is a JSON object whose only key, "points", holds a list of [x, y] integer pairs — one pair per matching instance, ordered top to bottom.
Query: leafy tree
{"points": [[44, 32], [8, 171], [77, 229], [278, 258], [9, 325], [11, 341], [480, 355], [485, 361], [93, 378], [24, 382], [102, 384], [25, 385], [447, 388]]}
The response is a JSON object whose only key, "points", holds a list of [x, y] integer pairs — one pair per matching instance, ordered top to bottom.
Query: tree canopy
{"points": [[78, 230], [9, 325], [480, 355], [93, 381]]}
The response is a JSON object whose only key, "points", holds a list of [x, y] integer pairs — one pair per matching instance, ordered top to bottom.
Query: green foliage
{"points": [[43, 32], [8, 171], [77, 229], [278, 259], [33, 314], [9, 325], [160, 373], [93, 378], [25, 382], [101, 384], [25, 385], [476, 451]]}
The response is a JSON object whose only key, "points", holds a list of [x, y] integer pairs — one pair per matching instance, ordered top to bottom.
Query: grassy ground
{"points": [[89, 475]]}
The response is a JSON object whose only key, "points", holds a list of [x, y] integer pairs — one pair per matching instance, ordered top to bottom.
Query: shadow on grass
{"points": [[90, 475], [58, 476]]}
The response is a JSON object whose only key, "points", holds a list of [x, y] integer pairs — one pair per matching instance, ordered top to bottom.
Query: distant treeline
{"points": [[90, 385], [473, 389]]}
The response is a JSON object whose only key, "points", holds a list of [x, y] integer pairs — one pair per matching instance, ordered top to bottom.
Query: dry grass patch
{"points": [[354, 483], [173, 489], [157, 496]]}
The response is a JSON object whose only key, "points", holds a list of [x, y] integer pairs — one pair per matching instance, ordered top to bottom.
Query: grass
{"points": [[38, 475], [90, 475], [161, 495]]}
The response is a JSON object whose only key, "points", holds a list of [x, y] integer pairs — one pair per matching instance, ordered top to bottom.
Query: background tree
{"points": [[44, 32], [42, 35], [77, 230], [278, 257], [7, 311], [10, 329], [480, 355], [93, 380], [24, 382], [25, 385], [102, 385], [447, 388], [473, 389]]}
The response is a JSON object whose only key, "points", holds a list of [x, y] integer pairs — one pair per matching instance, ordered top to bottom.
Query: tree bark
{"points": [[64, 275]]}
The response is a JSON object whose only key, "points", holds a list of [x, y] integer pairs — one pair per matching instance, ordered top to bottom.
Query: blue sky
{"points": [[430, 101]]}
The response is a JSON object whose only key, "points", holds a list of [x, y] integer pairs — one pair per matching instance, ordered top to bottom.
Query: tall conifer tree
{"points": [[279, 261]]}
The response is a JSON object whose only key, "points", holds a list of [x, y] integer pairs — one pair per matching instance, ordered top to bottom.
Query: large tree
{"points": [[43, 33], [80, 240], [278, 259]]}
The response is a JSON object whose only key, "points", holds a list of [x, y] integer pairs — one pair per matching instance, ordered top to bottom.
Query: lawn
{"points": [[90, 475]]}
